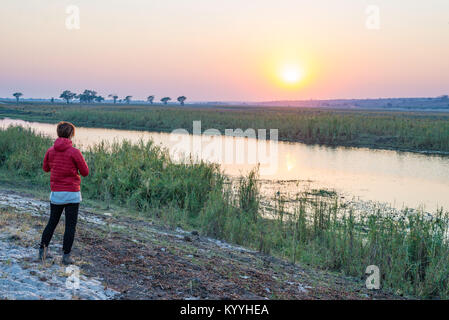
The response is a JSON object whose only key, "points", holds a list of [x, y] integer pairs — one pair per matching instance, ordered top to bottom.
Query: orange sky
{"points": [[230, 50]]}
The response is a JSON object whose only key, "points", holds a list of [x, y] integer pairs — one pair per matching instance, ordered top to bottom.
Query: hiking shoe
{"points": [[43, 254], [66, 259]]}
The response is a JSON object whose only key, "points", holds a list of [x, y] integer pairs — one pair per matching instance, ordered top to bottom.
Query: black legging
{"points": [[71, 216]]}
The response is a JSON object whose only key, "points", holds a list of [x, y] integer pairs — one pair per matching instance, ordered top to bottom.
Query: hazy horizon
{"points": [[226, 51], [173, 101]]}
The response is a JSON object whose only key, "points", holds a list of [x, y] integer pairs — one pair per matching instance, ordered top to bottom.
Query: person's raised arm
{"points": [[81, 164]]}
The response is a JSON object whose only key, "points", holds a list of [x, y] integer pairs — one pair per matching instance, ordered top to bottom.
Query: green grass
{"points": [[413, 131], [140, 176], [412, 251]]}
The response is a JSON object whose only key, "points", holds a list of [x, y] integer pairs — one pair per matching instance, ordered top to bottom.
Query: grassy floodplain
{"points": [[398, 130], [411, 251]]}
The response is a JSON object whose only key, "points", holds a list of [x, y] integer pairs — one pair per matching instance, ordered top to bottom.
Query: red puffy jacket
{"points": [[64, 162]]}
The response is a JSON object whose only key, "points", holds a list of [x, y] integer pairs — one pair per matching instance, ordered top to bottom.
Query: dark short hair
{"points": [[65, 129]]}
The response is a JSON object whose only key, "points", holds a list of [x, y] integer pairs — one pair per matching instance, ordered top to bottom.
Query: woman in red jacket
{"points": [[65, 164]]}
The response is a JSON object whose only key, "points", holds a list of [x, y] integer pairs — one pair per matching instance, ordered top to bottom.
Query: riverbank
{"points": [[423, 132], [410, 248], [123, 256]]}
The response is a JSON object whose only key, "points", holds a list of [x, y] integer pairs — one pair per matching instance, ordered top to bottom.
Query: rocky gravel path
{"points": [[23, 277]]}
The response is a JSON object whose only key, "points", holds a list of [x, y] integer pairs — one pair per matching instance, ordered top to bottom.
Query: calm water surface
{"points": [[398, 178]]}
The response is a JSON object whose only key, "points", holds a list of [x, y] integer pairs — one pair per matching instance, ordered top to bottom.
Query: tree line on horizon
{"points": [[90, 96]]}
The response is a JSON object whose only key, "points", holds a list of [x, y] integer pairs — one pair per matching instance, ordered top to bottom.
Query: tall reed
{"points": [[379, 129]]}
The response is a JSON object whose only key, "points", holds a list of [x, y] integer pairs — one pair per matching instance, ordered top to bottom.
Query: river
{"points": [[400, 179]]}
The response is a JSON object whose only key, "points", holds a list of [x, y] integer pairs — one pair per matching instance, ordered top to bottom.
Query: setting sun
{"points": [[291, 75]]}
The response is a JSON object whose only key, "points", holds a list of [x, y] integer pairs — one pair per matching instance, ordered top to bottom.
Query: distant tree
{"points": [[17, 95], [68, 95], [88, 96], [114, 97], [99, 99], [127, 99], [150, 99], [52, 100], [164, 100], [181, 100]]}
